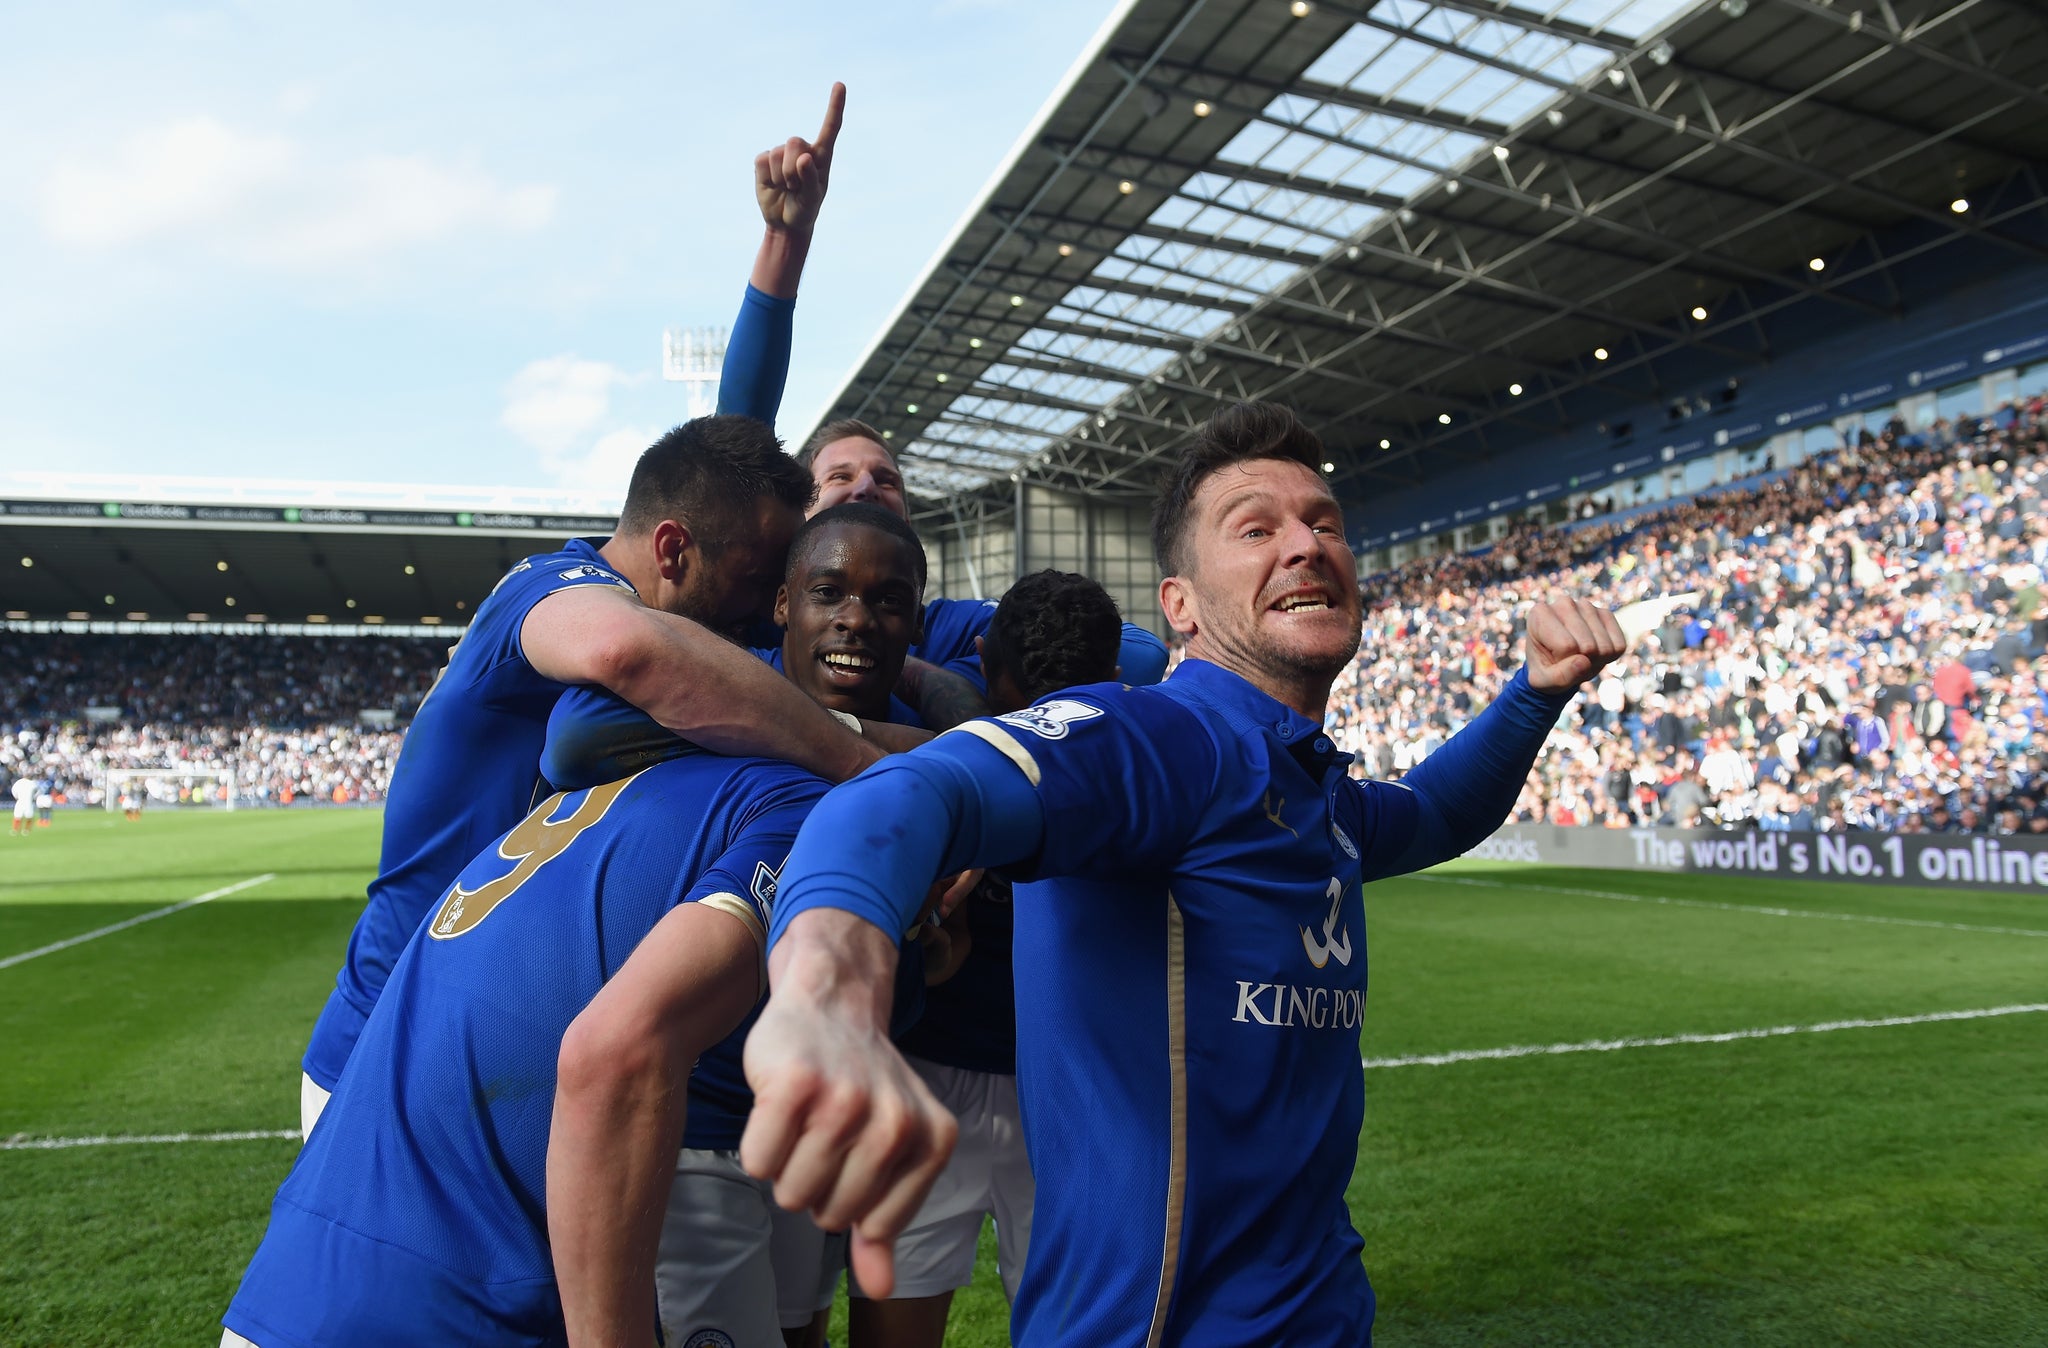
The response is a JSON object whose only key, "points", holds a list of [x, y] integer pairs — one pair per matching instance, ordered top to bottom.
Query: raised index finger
{"points": [[835, 110]]}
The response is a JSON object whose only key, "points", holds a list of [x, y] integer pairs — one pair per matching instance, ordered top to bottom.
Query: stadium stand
{"points": [[1865, 652], [285, 714]]}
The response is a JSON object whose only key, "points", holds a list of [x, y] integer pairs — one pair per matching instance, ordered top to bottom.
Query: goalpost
{"points": [[156, 788]]}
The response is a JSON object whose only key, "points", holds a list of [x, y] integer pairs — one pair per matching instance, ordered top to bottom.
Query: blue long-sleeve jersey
{"points": [[1191, 979]]}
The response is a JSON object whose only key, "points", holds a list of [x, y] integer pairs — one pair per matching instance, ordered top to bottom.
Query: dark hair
{"points": [[844, 429], [1238, 434], [707, 474], [866, 514], [1054, 629]]}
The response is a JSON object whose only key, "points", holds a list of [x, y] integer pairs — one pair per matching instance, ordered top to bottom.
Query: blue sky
{"points": [[439, 244]]}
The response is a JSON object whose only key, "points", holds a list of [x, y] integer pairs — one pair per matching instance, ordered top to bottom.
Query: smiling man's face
{"points": [[1273, 583], [852, 609]]}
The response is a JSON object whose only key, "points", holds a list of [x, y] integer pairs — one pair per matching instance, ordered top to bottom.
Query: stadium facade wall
{"points": [[1948, 335], [981, 556], [2012, 864]]}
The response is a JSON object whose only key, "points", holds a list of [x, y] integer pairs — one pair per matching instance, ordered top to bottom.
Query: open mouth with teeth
{"points": [[1311, 601], [847, 667]]}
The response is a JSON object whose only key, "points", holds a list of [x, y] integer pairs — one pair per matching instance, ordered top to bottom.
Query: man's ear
{"points": [[675, 550], [1177, 598], [782, 604]]}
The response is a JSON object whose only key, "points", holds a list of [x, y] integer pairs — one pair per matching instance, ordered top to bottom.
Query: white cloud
{"points": [[269, 199], [556, 403]]}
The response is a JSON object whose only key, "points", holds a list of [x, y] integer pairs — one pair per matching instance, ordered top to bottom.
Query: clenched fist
{"points": [[1569, 641]]}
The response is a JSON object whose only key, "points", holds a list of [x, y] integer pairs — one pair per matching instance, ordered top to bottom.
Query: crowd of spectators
{"points": [[1864, 653], [294, 719]]}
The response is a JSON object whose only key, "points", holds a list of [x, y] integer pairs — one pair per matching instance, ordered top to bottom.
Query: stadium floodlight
{"points": [[1301, 9], [1735, 9], [1661, 54], [1617, 77], [1202, 108], [1500, 152], [1126, 186], [1959, 205], [1066, 250], [1816, 264], [1016, 301], [1699, 313], [974, 343], [1599, 353], [694, 356], [941, 376], [1514, 390], [910, 408], [1443, 418], [1386, 444], [1329, 467], [220, 566], [107, 598], [229, 601]]}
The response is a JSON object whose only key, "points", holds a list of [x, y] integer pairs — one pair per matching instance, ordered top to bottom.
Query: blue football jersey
{"points": [[595, 736], [468, 770], [1190, 970], [1193, 970], [416, 1214]]}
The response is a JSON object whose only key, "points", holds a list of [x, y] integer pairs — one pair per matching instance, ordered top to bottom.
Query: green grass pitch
{"points": [[1865, 1186]]}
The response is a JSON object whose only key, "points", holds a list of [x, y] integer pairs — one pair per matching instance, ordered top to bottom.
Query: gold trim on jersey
{"points": [[1002, 744], [744, 911], [1177, 1121]]}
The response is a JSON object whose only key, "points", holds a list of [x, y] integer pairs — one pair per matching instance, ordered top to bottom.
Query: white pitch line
{"points": [[1730, 907], [137, 920], [1723, 1037], [107, 1140]]}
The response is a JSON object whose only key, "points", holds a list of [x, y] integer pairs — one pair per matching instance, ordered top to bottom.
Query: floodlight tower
{"points": [[694, 356]]}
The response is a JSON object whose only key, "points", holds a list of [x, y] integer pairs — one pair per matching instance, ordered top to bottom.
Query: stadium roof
{"points": [[1390, 214], [190, 551]]}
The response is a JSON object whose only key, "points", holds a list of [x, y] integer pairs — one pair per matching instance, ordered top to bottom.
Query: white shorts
{"points": [[24, 809], [313, 1099], [989, 1174], [808, 1262], [733, 1263], [230, 1339]]}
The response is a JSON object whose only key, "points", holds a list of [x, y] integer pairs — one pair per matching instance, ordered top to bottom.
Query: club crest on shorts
{"points": [[1051, 720], [709, 1338]]}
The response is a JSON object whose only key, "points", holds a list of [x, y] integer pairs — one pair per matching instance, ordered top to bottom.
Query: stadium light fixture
{"points": [[1301, 9], [1735, 9], [1661, 54], [1617, 77], [1202, 108], [1555, 117], [1500, 152], [1126, 186], [1451, 187], [1959, 205], [1066, 250], [1816, 264], [1016, 301], [1699, 313], [974, 343], [1599, 353], [942, 376], [1514, 390], [910, 408], [1443, 418], [886, 435], [1386, 444], [1329, 467], [28, 561], [220, 566], [408, 568], [107, 598], [229, 601], [349, 602], [429, 620]]}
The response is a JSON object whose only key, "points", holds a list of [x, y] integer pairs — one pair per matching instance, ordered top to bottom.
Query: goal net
{"points": [[158, 788]]}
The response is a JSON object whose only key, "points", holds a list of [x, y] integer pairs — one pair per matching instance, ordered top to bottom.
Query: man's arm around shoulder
{"points": [[686, 677]]}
